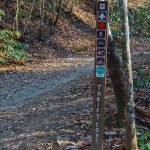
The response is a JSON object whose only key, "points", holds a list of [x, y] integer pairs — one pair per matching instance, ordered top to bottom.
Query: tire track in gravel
{"points": [[34, 84]]}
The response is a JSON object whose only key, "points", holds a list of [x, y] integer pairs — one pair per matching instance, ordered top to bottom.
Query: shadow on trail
{"points": [[81, 25], [61, 52], [19, 87], [41, 106], [42, 126]]}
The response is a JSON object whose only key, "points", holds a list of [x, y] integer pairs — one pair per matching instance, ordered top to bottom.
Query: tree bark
{"points": [[42, 7], [59, 12], [116, 75], [131, 140]]}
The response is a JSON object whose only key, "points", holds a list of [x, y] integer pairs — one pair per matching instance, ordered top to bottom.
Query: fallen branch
{"points": [[142, 111]]}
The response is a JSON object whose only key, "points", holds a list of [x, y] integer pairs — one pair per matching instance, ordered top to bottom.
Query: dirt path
{"points": [[22, 87], [36, 105]]}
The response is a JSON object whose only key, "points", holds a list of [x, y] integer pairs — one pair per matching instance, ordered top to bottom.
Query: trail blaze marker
{"points": [[102, 16], [101, 25], [101, 34], [100, 43], [100, 52], [100, 74]]}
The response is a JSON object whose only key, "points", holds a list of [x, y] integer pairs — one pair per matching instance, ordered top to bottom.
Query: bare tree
{"points": [[42, 7], [59, 11], [131, 140]]}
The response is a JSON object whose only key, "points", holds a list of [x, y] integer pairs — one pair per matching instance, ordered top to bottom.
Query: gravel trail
{"points": [[21, 87]]}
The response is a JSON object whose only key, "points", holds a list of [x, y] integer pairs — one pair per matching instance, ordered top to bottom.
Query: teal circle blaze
{"points": [[100, 71]]}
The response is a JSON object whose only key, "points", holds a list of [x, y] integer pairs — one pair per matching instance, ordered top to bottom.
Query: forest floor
{"points": [[46, 104]]}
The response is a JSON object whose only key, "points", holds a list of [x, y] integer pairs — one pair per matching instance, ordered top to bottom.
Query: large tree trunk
{"points": [[116, 75], [131, 141]]}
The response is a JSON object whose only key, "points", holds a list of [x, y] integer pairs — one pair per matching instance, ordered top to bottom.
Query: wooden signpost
{"points": [[100, 73]]}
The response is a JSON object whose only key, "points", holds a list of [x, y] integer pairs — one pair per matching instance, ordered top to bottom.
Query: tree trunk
{"points": [[42, 6], [58, 13], [15, 27], [116, 75], [131, 140]]}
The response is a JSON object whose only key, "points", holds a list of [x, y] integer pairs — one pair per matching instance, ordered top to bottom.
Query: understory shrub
{"points": [[11, 50], [143, 141]]}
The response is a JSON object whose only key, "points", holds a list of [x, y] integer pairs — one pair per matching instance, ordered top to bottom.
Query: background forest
{"points": [[23, 21]]}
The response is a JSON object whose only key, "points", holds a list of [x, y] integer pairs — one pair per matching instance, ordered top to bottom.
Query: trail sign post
{"points": [[100, 74]]}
